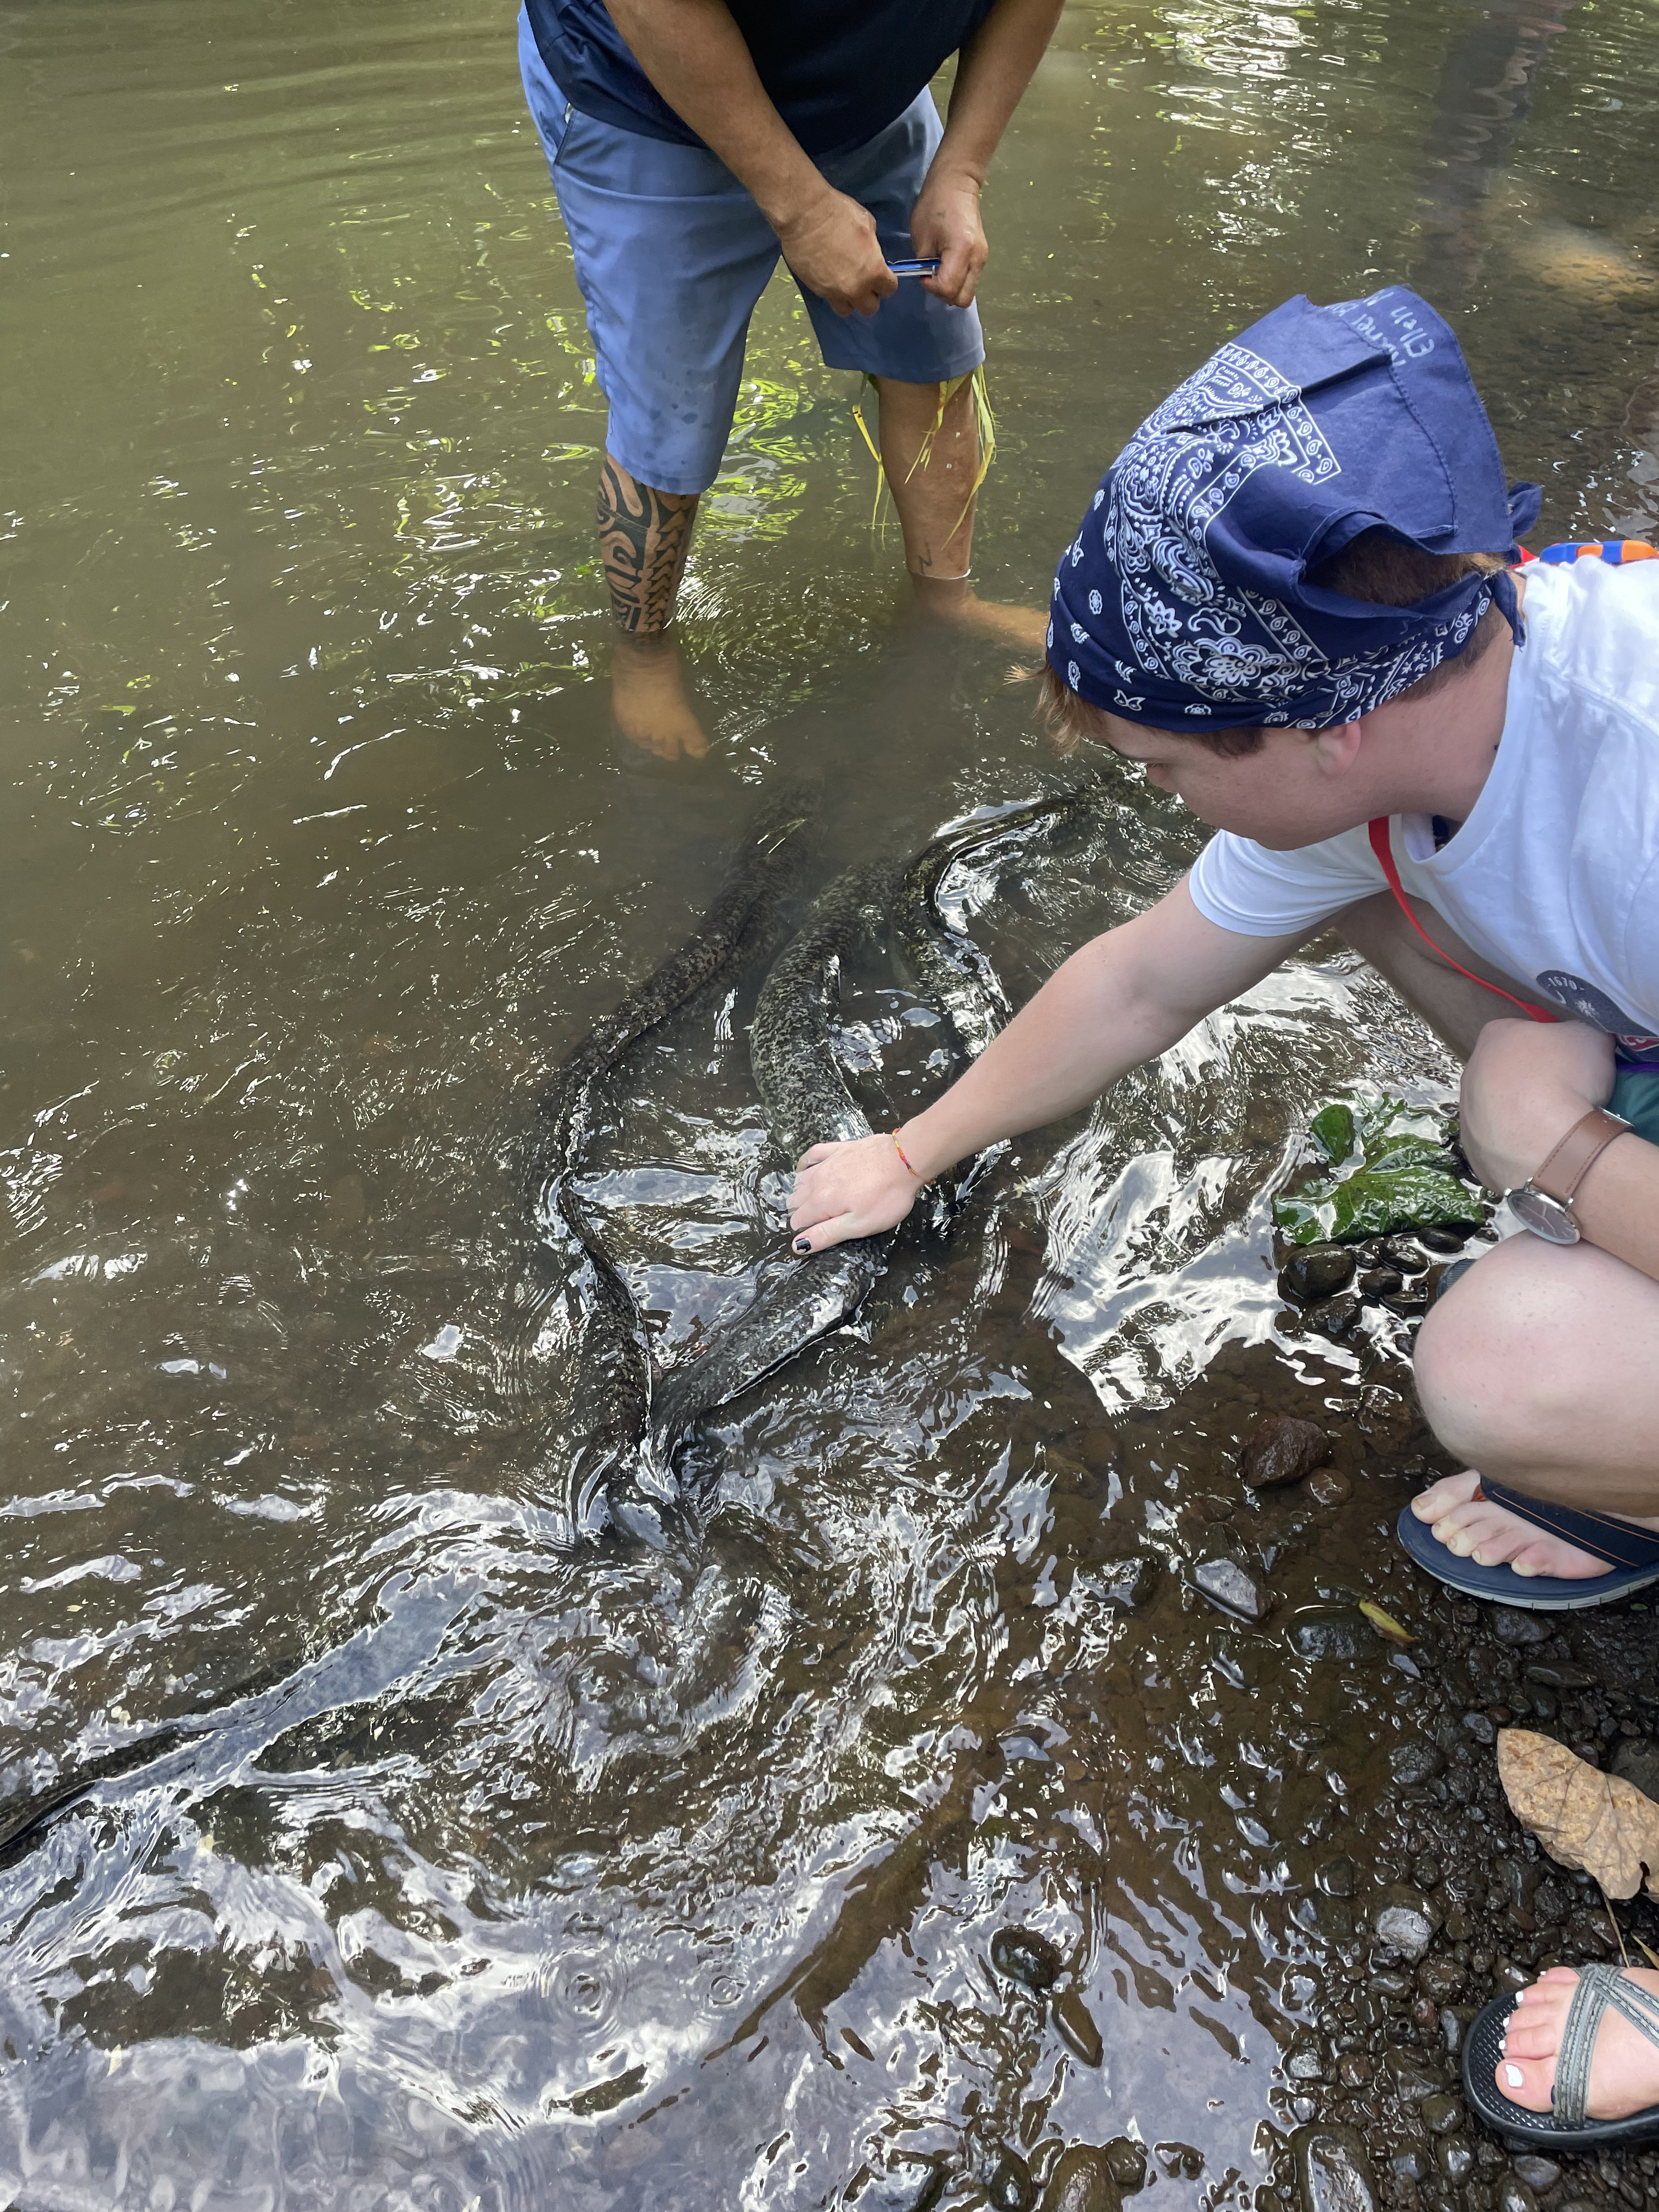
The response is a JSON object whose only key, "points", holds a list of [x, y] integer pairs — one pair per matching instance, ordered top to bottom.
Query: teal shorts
{"points": [[1636, 1099]]}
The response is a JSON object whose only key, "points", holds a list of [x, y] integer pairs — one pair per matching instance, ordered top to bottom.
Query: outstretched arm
{"points": [[1124, 999]]}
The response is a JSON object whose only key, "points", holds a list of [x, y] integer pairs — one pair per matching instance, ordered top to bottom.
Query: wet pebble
{"points": [[1445, 1240], [1398, 1252], [1316, 1272], [1380, 1282], [1335, 1317], [1281, 1448], [1330, 1487], [1131, 1581], [1236, 1587], [1513, 1626], [1344, 1635], [1414, 1762], [1335, 1877], [1406, 1921], [1025, 1956], [1442, 1978], [1075, 2025], [1304, 2062], [1354, 2070], [1413, 2082], [1443, 2115], [1455, 2156], [1128, 2160], [1537, 2172], [1333, 2173], [1083, 2182], [909, 2185], [1011, 2188], [1515, 2196]]}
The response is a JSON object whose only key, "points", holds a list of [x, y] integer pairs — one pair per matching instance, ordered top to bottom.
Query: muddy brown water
{"points": [[433, 1864]]}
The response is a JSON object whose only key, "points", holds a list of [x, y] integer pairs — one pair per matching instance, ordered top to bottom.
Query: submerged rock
{"points": [[1441, 1240], [1399, 1252], [1316, 1272], [1380, 1282], [1336, 1316], [1281, 1448], [1129, 1582], [1237, 1589], [1337, 1635], [1406, 1921], [1025, 1956], [1075, 2025], [1127, 2161], [1332, 2172], [1083, 2181], [908, 2185], [1011, 2188]]}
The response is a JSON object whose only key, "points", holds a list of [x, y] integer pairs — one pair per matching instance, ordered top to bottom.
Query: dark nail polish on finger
{"points": [[803, 1244]]}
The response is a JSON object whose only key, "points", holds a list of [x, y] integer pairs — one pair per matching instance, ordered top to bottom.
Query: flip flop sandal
{"points": [[1631, 1553], [1565, 2126]]}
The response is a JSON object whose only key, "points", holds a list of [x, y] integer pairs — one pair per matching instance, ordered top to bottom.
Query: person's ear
{"points": [[1336, 750]]}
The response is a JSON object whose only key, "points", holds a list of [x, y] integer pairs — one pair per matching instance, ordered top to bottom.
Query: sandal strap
{"points": [[1603, 1535], [1598, 1988]]}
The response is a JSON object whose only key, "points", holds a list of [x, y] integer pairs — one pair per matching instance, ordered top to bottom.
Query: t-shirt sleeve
{"points": [[1241, 885]]}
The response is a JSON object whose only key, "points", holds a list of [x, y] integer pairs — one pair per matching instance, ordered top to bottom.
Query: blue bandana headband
{"points": [[1182, 602]]}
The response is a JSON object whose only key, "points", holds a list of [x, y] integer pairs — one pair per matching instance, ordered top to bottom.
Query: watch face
{"points": [[1545, 1216]]}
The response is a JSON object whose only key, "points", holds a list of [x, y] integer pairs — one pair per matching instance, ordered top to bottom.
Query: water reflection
{"points": [[419, 1859]]}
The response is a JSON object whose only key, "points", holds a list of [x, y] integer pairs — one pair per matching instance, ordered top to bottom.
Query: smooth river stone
{"points": [[1316, 1272], [1281, 1448], [1232, 1586], [1025, 1956], [1077, 2028], [1333, 2173], [1083, 2182], [1011, 2188]]}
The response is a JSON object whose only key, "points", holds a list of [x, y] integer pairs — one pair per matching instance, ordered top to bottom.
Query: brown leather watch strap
{"points": [[1561, 1170]]}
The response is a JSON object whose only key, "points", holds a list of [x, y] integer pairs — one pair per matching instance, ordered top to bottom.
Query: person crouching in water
{"points": [[1294, 602]]}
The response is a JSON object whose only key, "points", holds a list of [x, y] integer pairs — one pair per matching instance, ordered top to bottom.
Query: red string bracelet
{"points": [[899, 1149]]}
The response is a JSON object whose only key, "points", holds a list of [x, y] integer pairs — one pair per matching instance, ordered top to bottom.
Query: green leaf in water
{"points": [[1333, 1130], [1378, 1200]]}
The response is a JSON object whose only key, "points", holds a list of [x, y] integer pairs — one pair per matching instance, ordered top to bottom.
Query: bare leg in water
{"points": [[936, 501], [644, 537]]}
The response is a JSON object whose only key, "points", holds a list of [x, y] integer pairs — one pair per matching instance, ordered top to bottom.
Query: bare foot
{"points": [[953, 599], [649, 700], [1474, 1528], [1623, 2069]]}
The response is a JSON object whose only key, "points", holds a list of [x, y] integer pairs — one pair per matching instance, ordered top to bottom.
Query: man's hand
{"points": [[945, 222], [830, 244], [1524, 1085], [855, 1189]]}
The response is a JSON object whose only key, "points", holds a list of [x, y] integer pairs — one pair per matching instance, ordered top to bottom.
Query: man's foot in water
{"points": [[953, 599], [651, 707], [1474, 1528], [1623, 2067]]}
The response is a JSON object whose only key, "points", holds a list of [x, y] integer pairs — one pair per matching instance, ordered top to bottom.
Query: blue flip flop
{"points": [[1632, 1554]]}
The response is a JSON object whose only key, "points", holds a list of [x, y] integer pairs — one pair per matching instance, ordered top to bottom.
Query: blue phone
{"points": [[914, 268]]}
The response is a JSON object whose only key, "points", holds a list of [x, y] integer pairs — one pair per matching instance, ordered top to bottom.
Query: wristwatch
{"points": [[1544, 1202]]}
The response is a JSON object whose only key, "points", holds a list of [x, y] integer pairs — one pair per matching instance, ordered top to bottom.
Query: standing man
{"points": [[690, 143]]}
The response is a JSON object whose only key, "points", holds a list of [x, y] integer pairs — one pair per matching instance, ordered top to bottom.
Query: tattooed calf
{"points": [[643, 539]]}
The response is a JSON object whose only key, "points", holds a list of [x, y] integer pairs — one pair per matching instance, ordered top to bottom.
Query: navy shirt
{"points": [[836, 71]]}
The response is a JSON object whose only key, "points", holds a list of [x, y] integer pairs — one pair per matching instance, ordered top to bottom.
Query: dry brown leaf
{"points": [[1582, 1817]]}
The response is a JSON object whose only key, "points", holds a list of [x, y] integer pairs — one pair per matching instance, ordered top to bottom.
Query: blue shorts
{"points": [[672, 253]]}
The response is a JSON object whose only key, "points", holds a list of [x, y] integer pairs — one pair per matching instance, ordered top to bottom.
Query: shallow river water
{"points": [[430, 1861]]}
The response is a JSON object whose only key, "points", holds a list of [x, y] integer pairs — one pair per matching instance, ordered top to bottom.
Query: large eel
{"points": [[944, 965], [807, 1101], [611, 1402]]}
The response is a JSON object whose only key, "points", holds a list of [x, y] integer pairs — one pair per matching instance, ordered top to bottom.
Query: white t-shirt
{"points": [[1554, 877]]}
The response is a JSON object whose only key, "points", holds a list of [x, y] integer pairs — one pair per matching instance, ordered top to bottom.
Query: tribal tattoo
{"points": [[643, 539]]}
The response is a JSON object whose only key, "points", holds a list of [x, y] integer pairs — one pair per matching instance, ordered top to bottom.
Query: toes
{"points": [[1455, 1489], [1533, 2038], [1525, 2085]]}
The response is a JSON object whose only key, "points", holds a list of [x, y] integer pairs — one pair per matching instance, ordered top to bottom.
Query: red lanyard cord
{"points": [[1378, 831]]}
